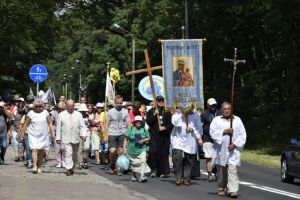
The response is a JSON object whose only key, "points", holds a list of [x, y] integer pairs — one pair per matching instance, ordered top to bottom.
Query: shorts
{"points": [[95, 141], [116, 141], [103, 147], [208, 149]]}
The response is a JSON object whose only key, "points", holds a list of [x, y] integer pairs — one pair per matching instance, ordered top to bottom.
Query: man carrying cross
{"points": [[160, 127]]}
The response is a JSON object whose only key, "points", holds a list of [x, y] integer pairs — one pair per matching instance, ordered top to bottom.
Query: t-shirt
{"points": [[118, 121], [3, 125], [134, 135]]}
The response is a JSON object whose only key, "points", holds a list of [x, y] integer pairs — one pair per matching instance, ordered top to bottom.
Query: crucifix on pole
{"points": [[235, 62], [149, 70]]}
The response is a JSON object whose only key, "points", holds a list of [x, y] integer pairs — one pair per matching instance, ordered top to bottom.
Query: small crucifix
{"points": [[235, 62], [149, 70]]}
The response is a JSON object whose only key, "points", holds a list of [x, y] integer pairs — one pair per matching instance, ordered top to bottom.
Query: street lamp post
{"points": [[133, 59]]}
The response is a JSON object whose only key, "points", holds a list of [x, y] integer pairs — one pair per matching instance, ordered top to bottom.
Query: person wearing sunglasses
{"points": [[37, 122]]}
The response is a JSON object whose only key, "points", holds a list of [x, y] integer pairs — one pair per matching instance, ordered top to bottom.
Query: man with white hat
{"points": [[208, 146]]}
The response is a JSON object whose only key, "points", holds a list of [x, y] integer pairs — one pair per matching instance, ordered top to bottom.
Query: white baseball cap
{"points": [[211, 101]]}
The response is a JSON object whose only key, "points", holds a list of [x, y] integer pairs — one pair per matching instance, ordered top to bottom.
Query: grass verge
{"points": [[259, 158]]}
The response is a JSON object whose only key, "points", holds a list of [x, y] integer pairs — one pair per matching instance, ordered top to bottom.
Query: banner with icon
{"points": [[183, 74]]}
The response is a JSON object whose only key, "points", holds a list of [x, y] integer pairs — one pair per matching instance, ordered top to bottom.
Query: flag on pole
{"points": [[183, 74], [109, 91], [31, 92], [48, 97]]}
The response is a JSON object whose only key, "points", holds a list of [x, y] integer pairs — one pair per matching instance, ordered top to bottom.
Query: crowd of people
{"points": [[148, 135]]}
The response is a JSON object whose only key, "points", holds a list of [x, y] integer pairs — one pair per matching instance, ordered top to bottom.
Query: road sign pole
{"points": [[37, 90]]}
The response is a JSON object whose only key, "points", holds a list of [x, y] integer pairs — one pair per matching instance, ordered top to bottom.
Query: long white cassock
{"points": [[182, 140], [223, 155]]}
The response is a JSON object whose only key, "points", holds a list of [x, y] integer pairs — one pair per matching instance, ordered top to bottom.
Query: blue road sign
{"points": [[38, 73]]}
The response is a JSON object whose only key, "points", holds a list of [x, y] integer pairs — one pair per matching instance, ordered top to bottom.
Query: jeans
{"points": [[3, 146], [18, 147], [28, 150]]}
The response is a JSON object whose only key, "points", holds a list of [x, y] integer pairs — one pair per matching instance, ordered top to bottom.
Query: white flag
{"points": [[109, 90], [31, 92], [48, 97]]}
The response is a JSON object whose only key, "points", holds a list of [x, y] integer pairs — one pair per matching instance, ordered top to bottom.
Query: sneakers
{"points": [[30, 165], [153, 174], [210, 177], [133, 178], [142, 179]]}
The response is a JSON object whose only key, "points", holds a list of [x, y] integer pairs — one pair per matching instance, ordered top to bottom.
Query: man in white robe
{"points": [[184, 138], [228, 156]]}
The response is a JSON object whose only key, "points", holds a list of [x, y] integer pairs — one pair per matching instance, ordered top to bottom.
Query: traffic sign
{"points": [[38, 73]]}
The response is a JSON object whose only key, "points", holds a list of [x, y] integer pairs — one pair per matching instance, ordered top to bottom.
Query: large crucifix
{"points": [[235, 62], [149, 71]]}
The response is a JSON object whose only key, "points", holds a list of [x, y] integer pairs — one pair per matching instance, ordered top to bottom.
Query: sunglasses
{"points": [[38, 106]]}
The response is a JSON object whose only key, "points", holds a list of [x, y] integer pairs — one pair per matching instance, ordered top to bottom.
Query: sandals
{"points": [[85, 165], [80, 166]]}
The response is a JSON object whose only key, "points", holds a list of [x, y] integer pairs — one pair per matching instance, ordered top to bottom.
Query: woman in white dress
{"points": [[38, 121]]}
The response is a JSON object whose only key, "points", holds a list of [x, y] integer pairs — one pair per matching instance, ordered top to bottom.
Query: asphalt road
{"points": [[17, 182], [256, 182]]}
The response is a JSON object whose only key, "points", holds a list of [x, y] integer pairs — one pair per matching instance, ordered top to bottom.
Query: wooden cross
{"points": [[235, 62], [149, 71]]}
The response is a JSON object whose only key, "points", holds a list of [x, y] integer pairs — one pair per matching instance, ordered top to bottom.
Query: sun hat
{"points": [[30, 97], [17, 98], [99, 105], [76, 106], [83, 108], [138, 118]]}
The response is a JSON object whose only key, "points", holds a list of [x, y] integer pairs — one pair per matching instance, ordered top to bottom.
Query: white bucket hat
{"points": [[99, 105], [83, 108], [138, 118]]}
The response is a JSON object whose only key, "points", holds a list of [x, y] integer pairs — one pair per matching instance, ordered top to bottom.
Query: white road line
{"points": [[265, 188]]}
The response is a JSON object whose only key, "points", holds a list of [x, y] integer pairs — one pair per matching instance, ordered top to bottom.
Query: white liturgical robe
{"points": [[182, 140], [223, 155]]}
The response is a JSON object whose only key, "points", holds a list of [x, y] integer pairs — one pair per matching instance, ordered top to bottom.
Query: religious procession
{"points": [[149, 100], [131, 137]]}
